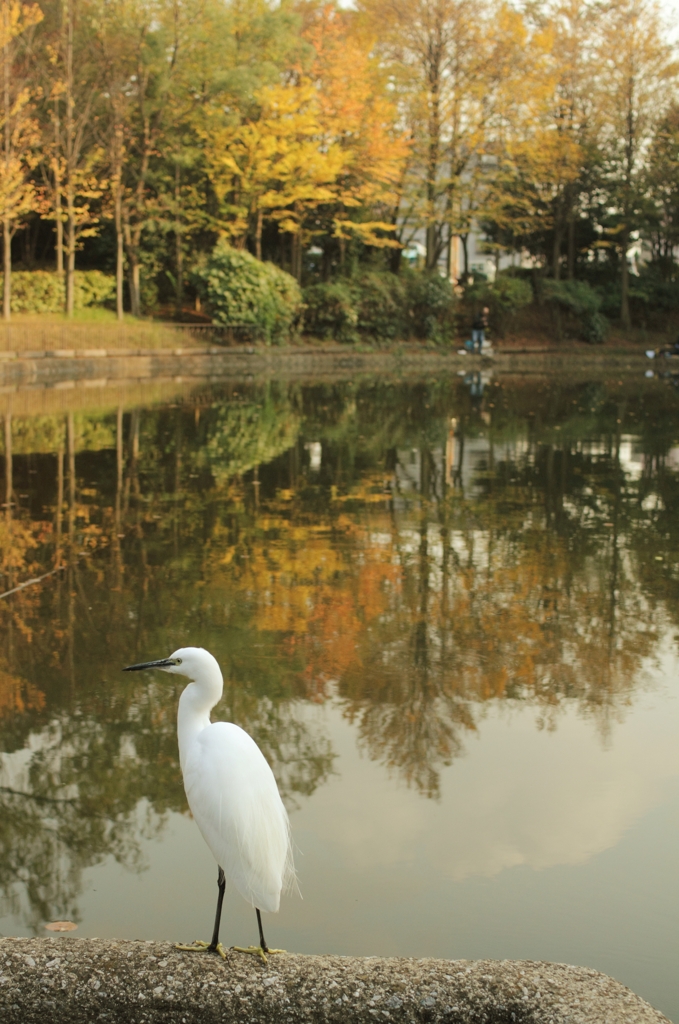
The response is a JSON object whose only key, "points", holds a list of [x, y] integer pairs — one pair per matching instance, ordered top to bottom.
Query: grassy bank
{"points": [[95, 329], [99, 329]]}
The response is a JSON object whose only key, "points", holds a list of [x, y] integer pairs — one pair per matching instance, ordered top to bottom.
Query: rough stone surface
{"points": [[86, 981]]}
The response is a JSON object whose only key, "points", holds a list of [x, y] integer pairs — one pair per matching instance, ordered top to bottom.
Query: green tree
{"points": [[639, 69], [662, 186]]}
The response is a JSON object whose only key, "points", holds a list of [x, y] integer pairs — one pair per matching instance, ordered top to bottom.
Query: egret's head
{"points": [[192, 662]]}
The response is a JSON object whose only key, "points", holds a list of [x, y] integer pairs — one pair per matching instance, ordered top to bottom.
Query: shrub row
{"points": [[44, 291], [243, 292], [576, 305], [381, 306]]}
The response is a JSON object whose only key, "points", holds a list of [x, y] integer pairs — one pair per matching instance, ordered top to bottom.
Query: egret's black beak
{"points": [[162, 663]]}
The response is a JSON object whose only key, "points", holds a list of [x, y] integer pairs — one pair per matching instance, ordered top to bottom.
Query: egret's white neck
{"points": [[195, 705]]}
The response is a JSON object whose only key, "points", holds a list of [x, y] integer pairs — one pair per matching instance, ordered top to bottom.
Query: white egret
{"points": [[232, 794]]}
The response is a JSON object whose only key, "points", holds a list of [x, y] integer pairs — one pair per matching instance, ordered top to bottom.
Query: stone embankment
{"points": [[100, 366], [86, 981]]}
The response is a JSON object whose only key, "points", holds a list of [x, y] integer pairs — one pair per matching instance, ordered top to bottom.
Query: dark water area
{"points": [[448, 612]]}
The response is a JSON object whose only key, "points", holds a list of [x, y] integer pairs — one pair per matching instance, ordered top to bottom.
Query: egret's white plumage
{"points": [[230, 788], [234, 799]]}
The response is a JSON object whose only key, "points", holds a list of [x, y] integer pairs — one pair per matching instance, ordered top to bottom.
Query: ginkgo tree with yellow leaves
{"points": [[360, 116], [322, 146], [272, 167]]}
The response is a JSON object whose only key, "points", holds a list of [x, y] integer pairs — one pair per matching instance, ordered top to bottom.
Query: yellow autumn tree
{"points": [[447, 60], [359, 116], [550, 119], [19, 133], [326, 138], [273, 166]]}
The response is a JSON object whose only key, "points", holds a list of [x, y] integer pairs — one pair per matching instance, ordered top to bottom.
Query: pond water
{"points": [[448, 612]]}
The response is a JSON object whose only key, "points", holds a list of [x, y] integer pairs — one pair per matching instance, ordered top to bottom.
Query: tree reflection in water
{"points": [[330, 541]]}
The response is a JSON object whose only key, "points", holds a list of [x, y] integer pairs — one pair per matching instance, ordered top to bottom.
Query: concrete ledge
{"points": [[47, 368], [83, 981]]}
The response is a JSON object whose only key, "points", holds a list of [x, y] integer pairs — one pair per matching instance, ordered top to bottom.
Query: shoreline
{"points": [[41, 365], [55, 380]]}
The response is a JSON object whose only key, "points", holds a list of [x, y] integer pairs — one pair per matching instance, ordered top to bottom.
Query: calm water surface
{"points": [[448, 611]]}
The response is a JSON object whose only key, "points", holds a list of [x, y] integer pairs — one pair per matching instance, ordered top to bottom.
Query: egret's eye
{"points": [[177, 661]]}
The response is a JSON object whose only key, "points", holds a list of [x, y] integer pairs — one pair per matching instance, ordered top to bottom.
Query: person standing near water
{"points": [[479, 327]]}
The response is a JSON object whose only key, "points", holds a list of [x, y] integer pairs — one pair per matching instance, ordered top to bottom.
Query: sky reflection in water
{"points": [[445, 610]]}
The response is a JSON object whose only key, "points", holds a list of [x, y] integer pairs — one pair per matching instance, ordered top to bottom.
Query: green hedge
{"points": [[44, 291], [242, 291], [580, 300], [381, 306], [432, 307], [330, 311]]}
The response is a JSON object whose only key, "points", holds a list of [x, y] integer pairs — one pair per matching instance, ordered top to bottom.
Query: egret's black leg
{"points": [[221, 884], [262, 940], [215, 946]]}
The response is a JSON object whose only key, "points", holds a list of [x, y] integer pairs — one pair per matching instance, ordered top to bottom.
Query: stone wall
{"points": [[65, 367]]}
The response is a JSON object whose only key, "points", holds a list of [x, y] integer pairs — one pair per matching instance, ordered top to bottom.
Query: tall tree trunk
{"points": [[7, 145], [433, 149], [70, 166], [118, 185], [57, 191], [60, 227], [134, 229], [133, 232], [258, 234], [179, 245], [465, 252], [70, 253], [120, 255], [133, 273], [135, 284]]}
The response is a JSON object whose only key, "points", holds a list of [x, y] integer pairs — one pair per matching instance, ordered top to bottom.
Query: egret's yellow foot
{"points": [[203, 947], [257, 951]]}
